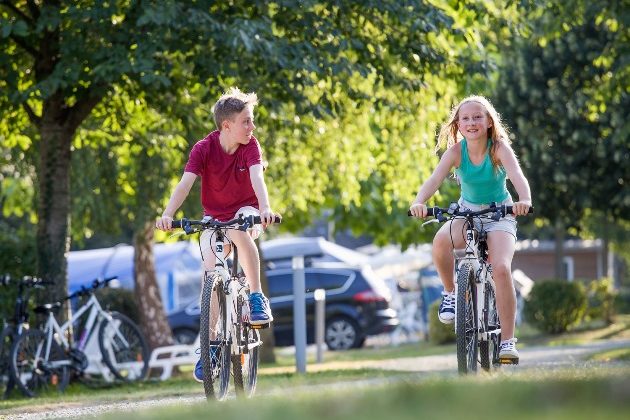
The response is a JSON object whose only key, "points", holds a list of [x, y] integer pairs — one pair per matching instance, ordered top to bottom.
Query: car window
{"points": [[329, 281], [280, 284]]}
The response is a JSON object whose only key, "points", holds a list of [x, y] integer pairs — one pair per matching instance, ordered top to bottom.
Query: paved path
{"points": [[532, 357]]}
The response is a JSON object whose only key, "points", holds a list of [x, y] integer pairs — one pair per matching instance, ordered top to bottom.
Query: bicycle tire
{"points": [[466, 327], [487, 348], [124, 349], [245, 366], [30, 371], [216, 375]]}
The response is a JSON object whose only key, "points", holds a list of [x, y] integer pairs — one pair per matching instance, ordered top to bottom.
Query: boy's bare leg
{"points": [[248, 258]]}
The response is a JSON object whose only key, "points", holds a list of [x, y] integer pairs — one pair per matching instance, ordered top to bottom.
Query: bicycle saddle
{"points": [[47, 308]]}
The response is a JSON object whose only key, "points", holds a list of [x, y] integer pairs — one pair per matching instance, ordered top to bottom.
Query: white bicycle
{"points": [[477, 325], [225, 334], [45, 358]]}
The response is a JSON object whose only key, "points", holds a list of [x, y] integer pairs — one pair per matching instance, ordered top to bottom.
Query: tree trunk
{"points": [[54, 207], [559, 250], [152, 317], [267, 354]]}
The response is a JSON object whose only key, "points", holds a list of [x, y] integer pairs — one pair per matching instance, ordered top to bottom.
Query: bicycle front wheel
{"points": [[466, 314], [214, 339], [124, 349], [245, 365], [33, 371]]}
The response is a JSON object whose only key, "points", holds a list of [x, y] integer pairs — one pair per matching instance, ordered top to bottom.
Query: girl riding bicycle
{"points": [[482, 159]]}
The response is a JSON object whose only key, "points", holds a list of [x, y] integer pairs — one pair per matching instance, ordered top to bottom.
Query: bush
{"points": [[601, 299], [119, 300], [622, 302], [554, 306], [439, 333]]}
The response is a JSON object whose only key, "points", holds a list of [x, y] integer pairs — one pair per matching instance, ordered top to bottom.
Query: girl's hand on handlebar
{"points": [[521, 208], [418, 210], [164, 223]]}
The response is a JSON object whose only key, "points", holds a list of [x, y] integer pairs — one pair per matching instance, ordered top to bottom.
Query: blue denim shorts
{"points": [[505, 224]]}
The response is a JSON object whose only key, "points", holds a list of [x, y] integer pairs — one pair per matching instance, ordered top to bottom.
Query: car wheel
{"points": [[342, 334], [184, 336]]}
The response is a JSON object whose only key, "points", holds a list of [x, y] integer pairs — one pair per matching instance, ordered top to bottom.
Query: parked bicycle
{"points": [[477, 325], [15, 326], [226, 336], [41, 358]]}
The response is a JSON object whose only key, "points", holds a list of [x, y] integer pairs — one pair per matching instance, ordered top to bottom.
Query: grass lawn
{"points": [[422, 394]]}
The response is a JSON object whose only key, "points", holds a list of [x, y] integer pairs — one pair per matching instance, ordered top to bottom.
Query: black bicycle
{"points": [[477, 325], [15, 327], [225, 335]]}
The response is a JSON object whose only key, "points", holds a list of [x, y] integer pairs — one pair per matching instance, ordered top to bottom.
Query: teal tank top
{"points": [[481, 184]]}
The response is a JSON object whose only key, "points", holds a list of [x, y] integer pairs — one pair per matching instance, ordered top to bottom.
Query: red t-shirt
{"points": [[225, 182]]}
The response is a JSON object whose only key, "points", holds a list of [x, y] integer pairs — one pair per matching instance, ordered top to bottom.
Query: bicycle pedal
{"points": [[259, 326]]}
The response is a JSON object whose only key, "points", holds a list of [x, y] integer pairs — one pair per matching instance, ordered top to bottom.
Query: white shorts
{"points": [[505, 224], [255, 231]]}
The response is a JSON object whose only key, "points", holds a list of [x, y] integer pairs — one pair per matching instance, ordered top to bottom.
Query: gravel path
{"points": [[531, 358]]}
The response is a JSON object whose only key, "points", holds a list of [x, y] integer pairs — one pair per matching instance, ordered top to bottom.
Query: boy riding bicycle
{"points": [[229, 162]]}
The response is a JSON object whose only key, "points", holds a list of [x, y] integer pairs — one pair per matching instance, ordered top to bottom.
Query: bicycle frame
{"points": [[482, 273], [231, 288], [58, 332]]}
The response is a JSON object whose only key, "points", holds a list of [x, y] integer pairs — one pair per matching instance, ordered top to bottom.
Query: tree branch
{"points": [[34, 9], [18, 12], [26, 47], [81, 109], [35, 119]]}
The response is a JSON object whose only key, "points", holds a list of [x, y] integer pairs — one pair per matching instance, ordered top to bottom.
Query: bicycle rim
{"points": [[466, 313], [214, 332], [124, 349], [32, 372]]}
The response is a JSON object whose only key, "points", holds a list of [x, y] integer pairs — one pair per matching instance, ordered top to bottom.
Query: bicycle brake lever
{"points": [[430, 221]]}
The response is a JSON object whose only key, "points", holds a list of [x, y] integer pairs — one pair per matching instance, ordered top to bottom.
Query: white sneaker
{"points": [[446, 313], [508, 352]]}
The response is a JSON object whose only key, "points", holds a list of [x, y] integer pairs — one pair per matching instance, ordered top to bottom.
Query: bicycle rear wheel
{"points": [[466, 326], [214, 339], [488, 347], [124, 349], [245, 365], [32, 371]]}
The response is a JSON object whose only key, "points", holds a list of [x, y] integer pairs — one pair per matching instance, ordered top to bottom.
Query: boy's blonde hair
{"points": [[231, 103], [498, 132]]}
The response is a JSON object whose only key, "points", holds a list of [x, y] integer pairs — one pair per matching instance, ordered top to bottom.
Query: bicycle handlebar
{"points": [[453, 210], [241, 222], [26, 281], [96, 283]]}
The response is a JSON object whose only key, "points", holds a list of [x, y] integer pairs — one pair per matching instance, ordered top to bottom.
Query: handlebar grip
{"points": [[508, 210], [429, 212], [257, 221], [177, 224]]}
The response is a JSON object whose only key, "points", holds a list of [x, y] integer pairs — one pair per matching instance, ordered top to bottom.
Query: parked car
{"points": [[357, 306]]}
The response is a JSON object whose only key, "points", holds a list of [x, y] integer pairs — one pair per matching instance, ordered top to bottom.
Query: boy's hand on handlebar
{"points": [[521, 208], [418, 210], [267, 217], [164, 223]]}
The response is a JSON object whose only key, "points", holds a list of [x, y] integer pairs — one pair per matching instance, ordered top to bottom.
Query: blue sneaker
{"points": [[259, 310], [198, 372]]}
